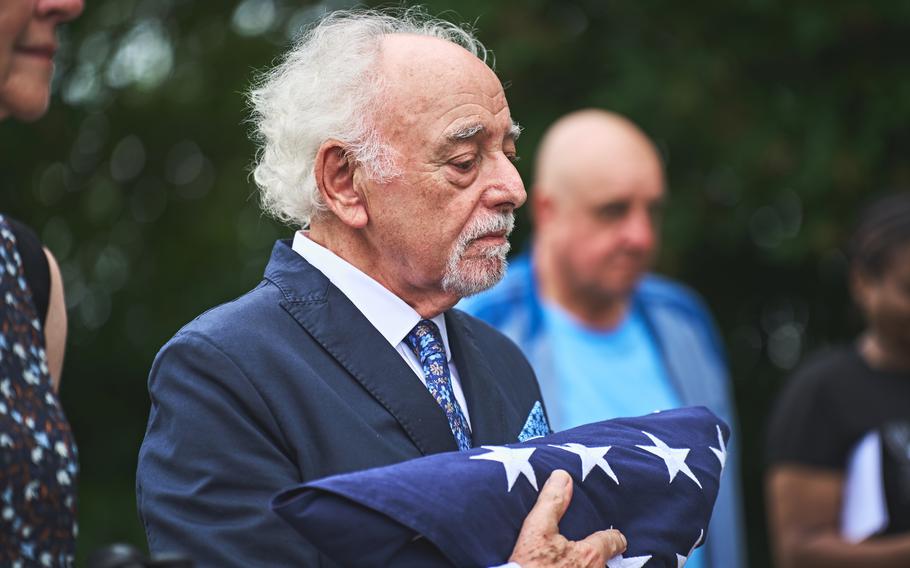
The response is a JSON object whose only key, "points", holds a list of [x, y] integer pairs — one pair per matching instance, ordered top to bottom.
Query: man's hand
{"points": [[540, 545]]}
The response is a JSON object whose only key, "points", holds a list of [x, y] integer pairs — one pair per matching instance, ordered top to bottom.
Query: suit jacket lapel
{"points": [[345, 333], [482, 393]]}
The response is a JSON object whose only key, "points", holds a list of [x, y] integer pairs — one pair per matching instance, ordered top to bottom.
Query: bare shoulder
{"points": [[55, 322]]}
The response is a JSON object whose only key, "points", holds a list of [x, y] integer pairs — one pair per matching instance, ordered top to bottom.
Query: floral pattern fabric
{"points": [[426, 344], [536, 425], [38, 459]]}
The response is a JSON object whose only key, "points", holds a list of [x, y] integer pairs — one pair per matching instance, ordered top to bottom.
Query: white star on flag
{"points": [[722, 452], [590, 458], [675, 458], [515, 461], [680, 559], [635, 562]]}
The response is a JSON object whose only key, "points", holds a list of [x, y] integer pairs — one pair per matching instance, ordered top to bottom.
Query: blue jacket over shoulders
{"points": [[692, 352], [290, 383]]}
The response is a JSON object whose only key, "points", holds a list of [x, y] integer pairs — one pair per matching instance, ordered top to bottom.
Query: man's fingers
{"points": [[551, 505], [609, 543], [540, 544]]}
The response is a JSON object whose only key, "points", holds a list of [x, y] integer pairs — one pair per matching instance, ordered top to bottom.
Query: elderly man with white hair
{"points": [[388, 141]]}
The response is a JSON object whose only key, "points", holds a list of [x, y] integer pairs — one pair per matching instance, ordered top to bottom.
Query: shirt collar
{"points": [[388, 313]]}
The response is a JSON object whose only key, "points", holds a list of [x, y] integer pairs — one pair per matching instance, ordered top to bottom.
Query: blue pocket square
{"points": [[536, 424]]}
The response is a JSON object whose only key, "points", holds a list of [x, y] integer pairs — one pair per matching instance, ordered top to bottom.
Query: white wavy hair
{"points": [[326, 87]]}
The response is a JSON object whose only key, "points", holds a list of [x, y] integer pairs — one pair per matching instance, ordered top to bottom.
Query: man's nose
{"points": [[63, 10], [504, 188], [639, 231]]}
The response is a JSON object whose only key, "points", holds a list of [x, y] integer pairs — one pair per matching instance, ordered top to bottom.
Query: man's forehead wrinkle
{"points": [[438, 70], [473, 95], [438, 97], [493, 99], [411, 102], [458, 114]]}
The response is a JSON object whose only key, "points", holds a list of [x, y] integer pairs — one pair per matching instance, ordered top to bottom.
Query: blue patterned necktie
{"points": [[426, 344]]}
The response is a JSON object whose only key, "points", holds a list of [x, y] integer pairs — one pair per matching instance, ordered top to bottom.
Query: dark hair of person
{"points": [[883, 228]]}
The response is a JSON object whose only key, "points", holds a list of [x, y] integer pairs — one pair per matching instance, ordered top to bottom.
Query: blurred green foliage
{"points": [[776, 120]]}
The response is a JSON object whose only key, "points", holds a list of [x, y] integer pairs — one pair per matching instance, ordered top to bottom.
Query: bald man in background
{"points": [[606, 338]]}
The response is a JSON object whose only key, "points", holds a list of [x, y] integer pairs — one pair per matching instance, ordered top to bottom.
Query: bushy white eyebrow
{"points": [[515, 130], [469, 131], [465, 132]]}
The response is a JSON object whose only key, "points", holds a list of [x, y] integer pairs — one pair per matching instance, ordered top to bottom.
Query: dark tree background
{"points": [[777, 121]]}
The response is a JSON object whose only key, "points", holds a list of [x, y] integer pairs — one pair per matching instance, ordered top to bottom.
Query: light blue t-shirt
{"points": [[608, 374]]}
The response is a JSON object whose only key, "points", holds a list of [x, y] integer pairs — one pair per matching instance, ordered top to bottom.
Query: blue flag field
{"points": [[654, 477]]}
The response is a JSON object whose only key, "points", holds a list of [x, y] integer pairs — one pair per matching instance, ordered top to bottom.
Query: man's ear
{"points": [[334, 171]]}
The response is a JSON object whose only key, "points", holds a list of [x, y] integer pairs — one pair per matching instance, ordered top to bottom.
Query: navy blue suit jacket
{"points": [[290, 383]]}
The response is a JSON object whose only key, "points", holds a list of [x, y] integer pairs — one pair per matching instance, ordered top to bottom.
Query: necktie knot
{"points": [[425, 341]]}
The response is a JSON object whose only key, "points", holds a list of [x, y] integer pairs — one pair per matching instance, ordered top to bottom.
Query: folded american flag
{"points": [[654, 477]]}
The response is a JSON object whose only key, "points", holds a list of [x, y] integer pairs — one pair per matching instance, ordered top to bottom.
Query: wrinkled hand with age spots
{"points": [[539, 543]]}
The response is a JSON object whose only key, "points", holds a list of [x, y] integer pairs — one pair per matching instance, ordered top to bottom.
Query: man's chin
{"points": [[494, 266], [474, 275], [625, 280], [612, 288]]}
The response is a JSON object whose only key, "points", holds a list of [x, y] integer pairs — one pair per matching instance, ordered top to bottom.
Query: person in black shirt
{"points": [[842, 397]]}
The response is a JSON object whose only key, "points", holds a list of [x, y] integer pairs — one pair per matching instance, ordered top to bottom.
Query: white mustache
{"points": [[486, 225]]}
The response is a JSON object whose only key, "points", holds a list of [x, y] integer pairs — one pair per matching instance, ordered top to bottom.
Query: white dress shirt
{"points": [[385, 311]]}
